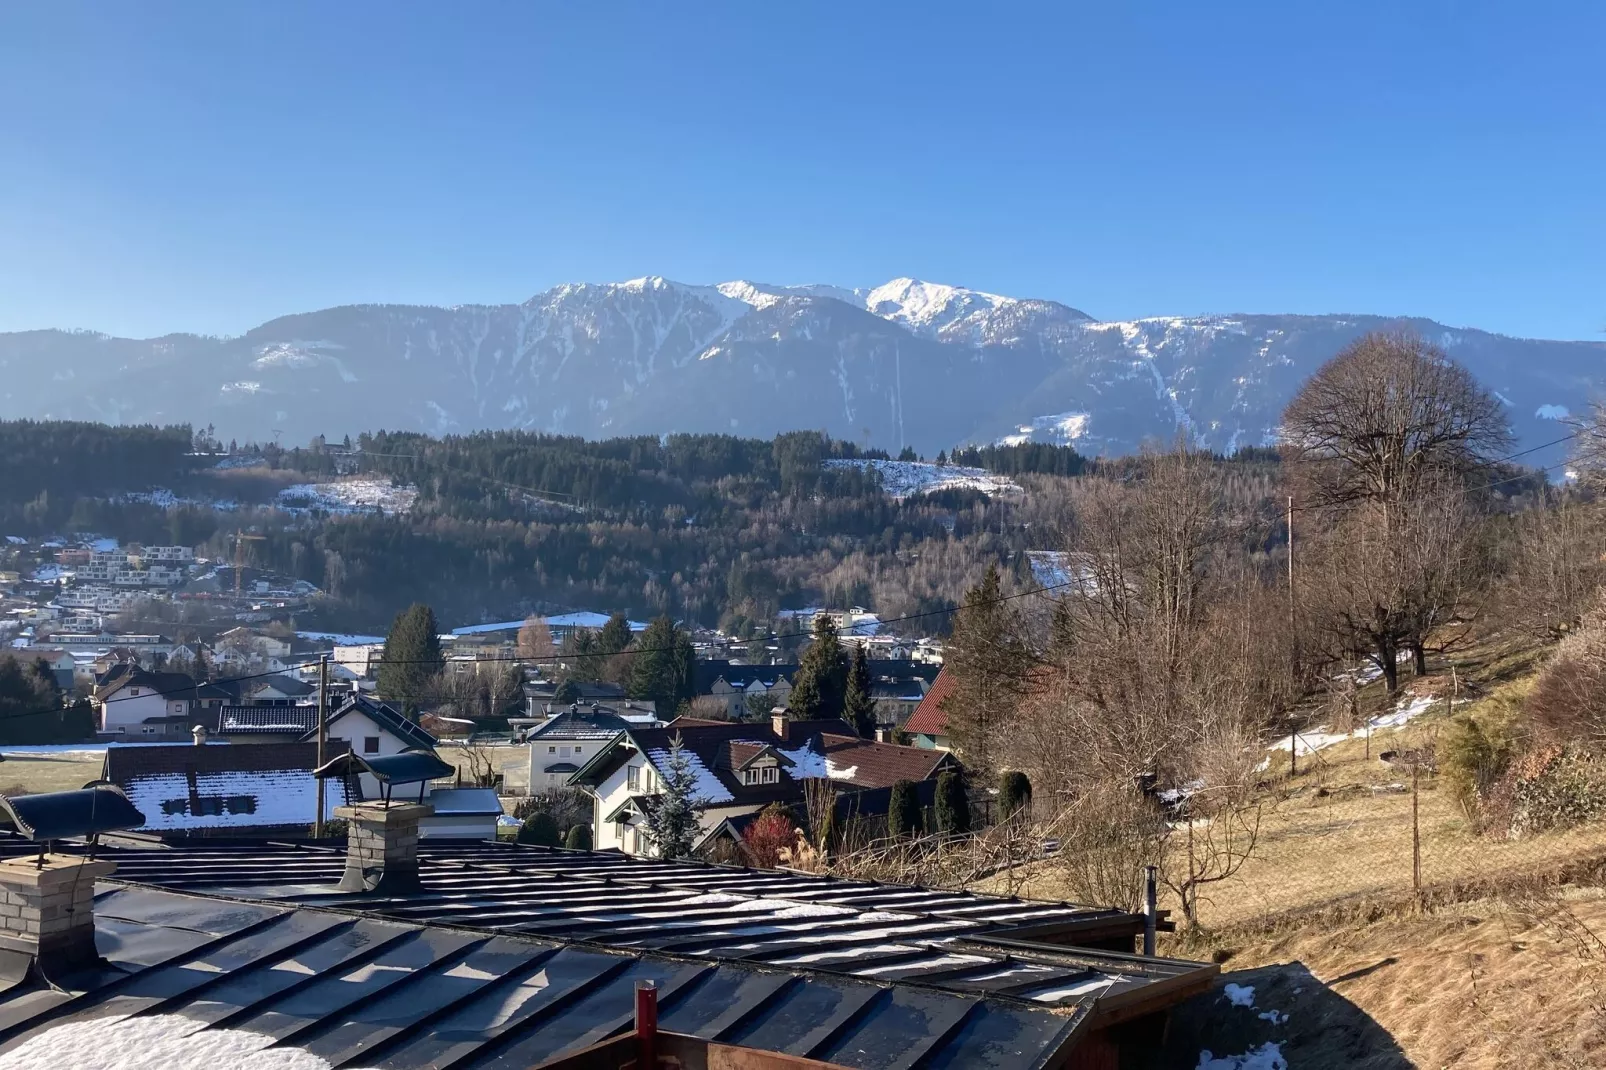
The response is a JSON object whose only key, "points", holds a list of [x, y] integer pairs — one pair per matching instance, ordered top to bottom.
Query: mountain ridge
{"points": [[908, 362]]}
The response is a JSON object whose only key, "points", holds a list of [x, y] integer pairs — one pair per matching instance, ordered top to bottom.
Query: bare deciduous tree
{"points": [[1385, 418], [535, 640]]}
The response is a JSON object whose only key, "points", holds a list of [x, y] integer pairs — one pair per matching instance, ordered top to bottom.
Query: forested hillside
{"points": [[711, 528]]}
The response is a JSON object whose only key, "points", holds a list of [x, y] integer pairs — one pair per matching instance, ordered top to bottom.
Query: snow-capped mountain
{"points": [[905, 363]]}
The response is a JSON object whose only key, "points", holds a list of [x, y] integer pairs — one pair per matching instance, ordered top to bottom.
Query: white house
{"points": [[137, 704], [373, 729], [564, 742], [739, 770]]}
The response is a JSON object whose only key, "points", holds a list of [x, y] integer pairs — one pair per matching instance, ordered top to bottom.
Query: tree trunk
{"points": [[1419, 659], [1390, 664]]}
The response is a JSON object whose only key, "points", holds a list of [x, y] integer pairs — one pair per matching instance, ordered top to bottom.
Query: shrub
{"points": [[1568, 700], [1480, 746], [1550, 788], [1014, 794], [953, 805], [903, 810], [539, 829], [769, 834], [579, 838]]}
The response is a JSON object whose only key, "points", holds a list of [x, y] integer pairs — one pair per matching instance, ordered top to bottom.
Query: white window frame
{"points": [[633, 777]]}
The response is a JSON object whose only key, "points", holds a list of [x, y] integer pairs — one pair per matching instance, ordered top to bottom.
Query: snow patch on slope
{"points": [[1060, 429], [900, 479]]}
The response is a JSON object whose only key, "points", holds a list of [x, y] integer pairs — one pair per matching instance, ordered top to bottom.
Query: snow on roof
{"points": [[594, 621], [343, 638], [707, 788], [251, 799], [154, 1042]]}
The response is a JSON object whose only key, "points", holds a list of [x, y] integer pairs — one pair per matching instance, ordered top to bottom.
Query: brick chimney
{"points": [[778, 723], [198, 733], [382, 846], [47, 909]]}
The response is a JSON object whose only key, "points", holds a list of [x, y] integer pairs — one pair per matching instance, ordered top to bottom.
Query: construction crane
{"points": [[240, 539]]}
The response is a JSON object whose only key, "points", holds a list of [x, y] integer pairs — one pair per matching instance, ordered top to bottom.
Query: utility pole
{"points": [[1293, 630], [323, 730]]}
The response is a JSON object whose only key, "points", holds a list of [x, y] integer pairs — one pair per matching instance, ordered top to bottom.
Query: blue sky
{"points": [[207, 166]]}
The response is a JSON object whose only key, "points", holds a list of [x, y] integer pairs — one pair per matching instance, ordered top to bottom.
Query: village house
{"points": [[62, 664], [138, 704], [928, 725], [373, 729], [561, 744], [740, 769]]}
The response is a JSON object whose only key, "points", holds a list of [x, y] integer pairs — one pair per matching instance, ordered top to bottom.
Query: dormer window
{"points": [[761, 774]]}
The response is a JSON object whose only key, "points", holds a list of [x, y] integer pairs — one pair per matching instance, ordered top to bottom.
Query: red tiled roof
{"points": [[929, 718], [879, 765]]}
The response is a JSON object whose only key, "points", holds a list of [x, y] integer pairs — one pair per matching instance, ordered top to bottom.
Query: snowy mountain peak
{"points": [[929, 306]]}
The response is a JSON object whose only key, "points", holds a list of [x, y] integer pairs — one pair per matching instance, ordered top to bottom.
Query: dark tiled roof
{"points": [[162, 683], [285, 685], [387, 717], [929, 718], [267, 720], [583, 722], [126, 762], [218, 787]]}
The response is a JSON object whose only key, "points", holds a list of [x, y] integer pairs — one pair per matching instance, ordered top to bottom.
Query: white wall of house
{"points": [[126, 710], [369, 739], [551, 751], [619, 786]]}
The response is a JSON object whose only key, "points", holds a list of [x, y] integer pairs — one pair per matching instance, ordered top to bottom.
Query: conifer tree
{"points": [[615, 635], [412, 658], [992, 665], [664, 666], [819, 687], [858, 704], [1014, 793], [952, 805], [903, 811], [672, 817], [539, 829], [579, 838]]}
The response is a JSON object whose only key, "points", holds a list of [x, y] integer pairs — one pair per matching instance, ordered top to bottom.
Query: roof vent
{"points": [[382, 835], [47, 902]]}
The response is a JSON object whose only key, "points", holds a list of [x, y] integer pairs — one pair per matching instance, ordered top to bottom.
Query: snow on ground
{"points": [[1060, 429], [900, 479], [349, 496], [50, 573], [342, 638], [1409, 709], [1240, 995], [153, 1042], [1266, 1057]]}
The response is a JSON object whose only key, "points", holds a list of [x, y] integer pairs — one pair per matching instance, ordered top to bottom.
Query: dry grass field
{"points": [[48, 772], [1500, 962]]}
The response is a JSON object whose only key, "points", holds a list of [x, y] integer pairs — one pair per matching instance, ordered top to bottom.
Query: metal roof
{"points": [[510, 954], [359, 991]]}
